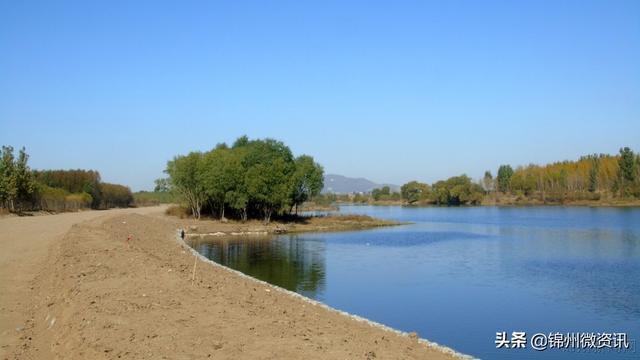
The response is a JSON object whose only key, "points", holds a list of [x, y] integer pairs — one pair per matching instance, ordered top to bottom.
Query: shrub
{"points": [[114, 195], [178, 211]]}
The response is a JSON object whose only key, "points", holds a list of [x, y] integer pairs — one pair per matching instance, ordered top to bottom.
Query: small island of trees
{"points": [[249, 179]]}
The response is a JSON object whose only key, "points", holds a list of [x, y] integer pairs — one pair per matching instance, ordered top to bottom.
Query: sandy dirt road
{"points": [[24, 245], [74, 288]]}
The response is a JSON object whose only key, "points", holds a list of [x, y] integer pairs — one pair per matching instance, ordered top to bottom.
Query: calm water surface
{"points": [[459, 275]]}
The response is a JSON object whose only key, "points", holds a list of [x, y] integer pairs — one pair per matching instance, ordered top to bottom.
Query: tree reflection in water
{"points": [[283, 261]]}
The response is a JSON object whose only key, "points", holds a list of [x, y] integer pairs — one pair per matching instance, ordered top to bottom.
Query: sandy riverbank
{"points": [[331, 223], [93, 296]]}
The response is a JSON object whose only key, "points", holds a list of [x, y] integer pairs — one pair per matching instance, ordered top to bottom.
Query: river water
{"points": [[457, 276]]}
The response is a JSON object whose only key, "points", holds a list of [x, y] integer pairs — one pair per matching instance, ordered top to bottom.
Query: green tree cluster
{"points": [[252, 178], [16, 180], [78, 181], [73, 182], [54, 190], [457, 190], [414, 191], [385, 194], [115, 195], [58, 199]]}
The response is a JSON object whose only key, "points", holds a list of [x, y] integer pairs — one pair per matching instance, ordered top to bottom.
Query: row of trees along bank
{"points": [[251, 178], [592, 178], [22, 189]]}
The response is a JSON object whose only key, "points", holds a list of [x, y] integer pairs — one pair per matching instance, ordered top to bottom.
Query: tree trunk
{"points": [[212, 205], [198, 208], [267, 215]]}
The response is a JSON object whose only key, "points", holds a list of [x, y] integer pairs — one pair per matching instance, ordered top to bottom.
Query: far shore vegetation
{"points": [[598, 179], [23, 189]]}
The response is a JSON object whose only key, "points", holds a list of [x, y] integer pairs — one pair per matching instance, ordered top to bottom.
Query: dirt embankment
{"points": [[297, 225], [25, 242], [96, 296]]}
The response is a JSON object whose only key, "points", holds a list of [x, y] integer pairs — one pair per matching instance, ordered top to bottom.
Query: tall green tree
{"points": [[269, 165], [626, 170], [505, 172], [221, 174], [593, 174], [185, 177], [24, 180], [307, 181], [487, 181], [8, 184], [267, 185], [238, 197]]}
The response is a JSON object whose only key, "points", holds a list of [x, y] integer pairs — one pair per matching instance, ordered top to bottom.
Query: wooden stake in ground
{"points": [[193, 276]]}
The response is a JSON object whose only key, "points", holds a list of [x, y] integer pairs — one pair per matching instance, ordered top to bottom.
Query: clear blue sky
{"points": [[391, 91]]}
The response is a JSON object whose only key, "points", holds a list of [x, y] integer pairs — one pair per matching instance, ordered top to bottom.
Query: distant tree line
{"points": [[592, 178], [250, 179], [71, 182], [22, 189], [456, 190], [384, 194], [152, 198]]}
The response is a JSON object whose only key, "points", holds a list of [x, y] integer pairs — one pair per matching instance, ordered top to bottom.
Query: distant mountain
{"points": [[339, 184]]}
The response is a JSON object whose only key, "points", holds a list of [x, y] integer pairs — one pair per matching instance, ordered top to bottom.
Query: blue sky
{"points": [[391, 91]]}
